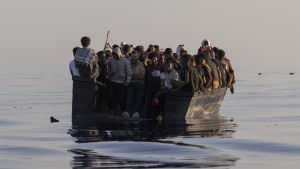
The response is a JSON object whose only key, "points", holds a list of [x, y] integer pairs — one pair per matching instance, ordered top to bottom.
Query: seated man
{"points": [[169, 76], [191, 76], [230, 78], [169, 79]]}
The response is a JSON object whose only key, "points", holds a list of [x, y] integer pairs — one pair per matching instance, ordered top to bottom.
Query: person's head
{"points": [[85, 41], [122, 44], [206, 45], [115, 46], [156, 47], [151, 48], [126, 49], [139, 49], [216, 49], [75, 50], [168, 51], [117, 53], [108, 54], [212, 54], [221, 54], [101, 55], [176, 56], [134, 57], [153, 58], [200, 58], [162, 59], [187, 60], [169, 66]]}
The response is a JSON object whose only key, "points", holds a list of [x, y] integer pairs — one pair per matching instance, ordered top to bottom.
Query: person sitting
{"points": [[205, 46], [87, 60], [73, 66], [214, 71], [204, 73], [119, 74], [222, 75], [169, 76], [230, 78], [169, 79], [191, 79], [136, 88]]}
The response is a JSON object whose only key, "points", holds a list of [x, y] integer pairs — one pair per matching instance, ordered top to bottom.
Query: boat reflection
{"points": [[111, 128], [138, 137], [135, 143]]}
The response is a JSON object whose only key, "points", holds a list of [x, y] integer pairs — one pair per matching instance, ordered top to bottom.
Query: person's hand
{"points": [[111, 75]]}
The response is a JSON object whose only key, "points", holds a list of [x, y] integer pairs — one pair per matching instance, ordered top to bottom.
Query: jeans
{"points": [[116, 95], [135, 97]]}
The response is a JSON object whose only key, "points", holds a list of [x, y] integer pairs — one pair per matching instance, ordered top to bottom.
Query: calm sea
{"points": [[257, 127]]}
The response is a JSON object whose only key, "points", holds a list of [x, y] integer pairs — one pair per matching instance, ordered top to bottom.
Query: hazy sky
{"points": [[38, 35]]}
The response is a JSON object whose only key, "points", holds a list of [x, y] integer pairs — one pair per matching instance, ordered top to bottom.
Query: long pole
{"points": [[106, 39]]}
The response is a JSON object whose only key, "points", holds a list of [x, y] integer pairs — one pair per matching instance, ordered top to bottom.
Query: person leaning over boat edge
{"points": [[87, 60], [229, 70], [119, 74]]}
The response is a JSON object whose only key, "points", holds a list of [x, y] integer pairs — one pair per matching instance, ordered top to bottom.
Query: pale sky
{"points": [[39, 35]]}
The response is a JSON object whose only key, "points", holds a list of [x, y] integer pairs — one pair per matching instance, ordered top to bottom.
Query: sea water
{"points": [[256, 127]]}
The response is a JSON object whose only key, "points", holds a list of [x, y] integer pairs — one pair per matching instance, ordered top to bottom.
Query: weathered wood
{"points": [[84, 92], [180, 106]]}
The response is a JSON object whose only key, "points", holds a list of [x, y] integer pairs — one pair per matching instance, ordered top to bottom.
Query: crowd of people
{"points": [[133, 76]]}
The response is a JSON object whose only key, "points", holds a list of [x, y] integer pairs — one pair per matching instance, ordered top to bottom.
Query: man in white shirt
{"points": [[72, 65], [168, 76]]}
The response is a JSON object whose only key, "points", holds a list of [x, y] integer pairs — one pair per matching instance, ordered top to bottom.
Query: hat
{"points": [[206, 42], [122, 43], [117, 50]]}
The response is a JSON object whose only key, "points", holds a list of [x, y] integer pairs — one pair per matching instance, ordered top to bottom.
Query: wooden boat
{"points": [[179, 106]]}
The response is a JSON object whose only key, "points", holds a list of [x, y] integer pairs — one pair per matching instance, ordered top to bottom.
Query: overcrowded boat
{"points": [[127, 83]]}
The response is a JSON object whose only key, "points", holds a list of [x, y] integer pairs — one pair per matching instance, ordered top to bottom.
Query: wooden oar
{"points": [[106, 39]]}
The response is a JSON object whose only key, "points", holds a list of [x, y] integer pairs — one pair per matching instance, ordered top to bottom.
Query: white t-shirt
{"points": [[74, 71], [168, 77]]}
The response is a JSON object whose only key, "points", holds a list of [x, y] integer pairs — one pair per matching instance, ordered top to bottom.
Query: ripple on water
{"points": [[148, 154]]}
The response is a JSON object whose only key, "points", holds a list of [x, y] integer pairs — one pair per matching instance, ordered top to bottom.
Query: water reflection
{"points": [[120, 142]]}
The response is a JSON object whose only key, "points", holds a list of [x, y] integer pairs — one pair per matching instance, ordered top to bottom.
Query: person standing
{"points": [[87, 60], [73, 66], [153, 72], [119, 74], [136, 88]]}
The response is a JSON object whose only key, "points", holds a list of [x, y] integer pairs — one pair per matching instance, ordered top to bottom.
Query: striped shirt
{"points": [[86, 56]]}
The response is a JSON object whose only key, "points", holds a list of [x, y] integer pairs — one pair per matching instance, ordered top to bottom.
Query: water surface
{"points": [[257, 127]]}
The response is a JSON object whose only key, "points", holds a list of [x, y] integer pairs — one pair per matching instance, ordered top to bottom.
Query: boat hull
{"points": [[179, 105]]}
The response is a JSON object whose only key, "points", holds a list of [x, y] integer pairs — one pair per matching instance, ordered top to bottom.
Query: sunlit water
{"points": [[257, 127]]}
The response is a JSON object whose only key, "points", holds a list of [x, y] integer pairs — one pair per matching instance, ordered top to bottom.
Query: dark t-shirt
{"points": [[153, 75], [192, 78]]}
